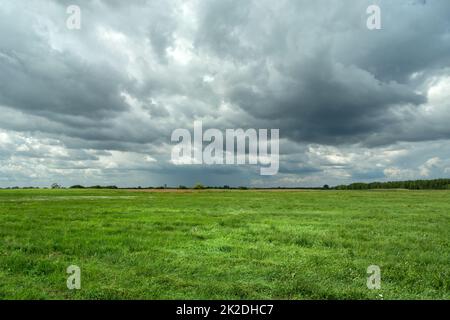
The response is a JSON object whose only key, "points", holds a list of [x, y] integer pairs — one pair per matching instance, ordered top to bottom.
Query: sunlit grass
{"points": [[224, 244]]}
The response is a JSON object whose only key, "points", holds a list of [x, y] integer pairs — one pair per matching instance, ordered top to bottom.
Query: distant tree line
{"points": [[437, 184], [57, 186], [93, 187]]}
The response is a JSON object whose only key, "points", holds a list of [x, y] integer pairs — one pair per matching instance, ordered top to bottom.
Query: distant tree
{"points": [[437, 184], [56, 186], [77, 186], [199, 186], [103, 187], [182, 187], [326, 187]]}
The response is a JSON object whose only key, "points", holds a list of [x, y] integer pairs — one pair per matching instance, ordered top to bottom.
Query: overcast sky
{"points": [[98, 105]]}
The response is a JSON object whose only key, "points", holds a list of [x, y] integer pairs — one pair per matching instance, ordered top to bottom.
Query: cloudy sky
{"points": [[98, 105]]}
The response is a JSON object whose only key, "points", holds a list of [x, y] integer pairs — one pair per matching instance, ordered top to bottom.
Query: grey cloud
{"points": [[41, 80], [326, 104]]}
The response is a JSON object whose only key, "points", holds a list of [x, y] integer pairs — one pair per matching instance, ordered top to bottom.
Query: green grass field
{"points": [[224, 244]]}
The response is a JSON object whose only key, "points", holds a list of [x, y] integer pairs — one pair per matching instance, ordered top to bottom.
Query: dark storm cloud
{"points": [[415, 39], [313, 70], [40, 80], [329, 80], [52, 84], [326, 102]]}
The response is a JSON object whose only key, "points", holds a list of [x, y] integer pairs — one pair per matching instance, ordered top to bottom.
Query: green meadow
{"points": [[224, 244]]}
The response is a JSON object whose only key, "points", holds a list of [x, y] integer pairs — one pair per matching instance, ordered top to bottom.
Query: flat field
{"points": [[224, 244]]}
